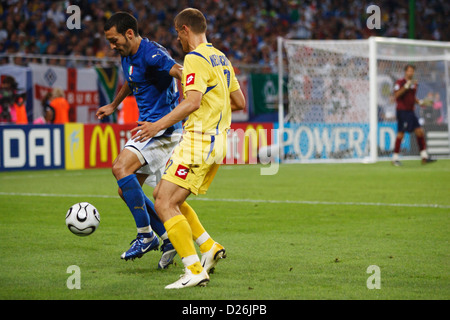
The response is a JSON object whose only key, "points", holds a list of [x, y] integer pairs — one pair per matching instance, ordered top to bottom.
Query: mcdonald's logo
{"points": [[106, 137], [245, 139]]}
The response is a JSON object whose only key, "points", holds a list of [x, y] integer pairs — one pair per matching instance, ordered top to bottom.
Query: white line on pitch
{"points": [[30, 194], [379, 204], [421, 205]]}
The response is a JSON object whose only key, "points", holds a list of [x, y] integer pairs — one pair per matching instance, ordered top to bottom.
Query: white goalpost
{"points": [[340, 107]]}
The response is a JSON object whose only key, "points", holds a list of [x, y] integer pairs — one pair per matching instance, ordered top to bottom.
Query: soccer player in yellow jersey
{"points": [[211, 93]]}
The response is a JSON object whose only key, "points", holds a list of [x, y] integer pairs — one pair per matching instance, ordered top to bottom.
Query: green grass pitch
{"points": [[309, 232]]}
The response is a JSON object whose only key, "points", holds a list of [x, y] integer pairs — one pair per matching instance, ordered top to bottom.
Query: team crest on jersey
{"points": [[130, 70], [190, 79], [182, 172]]}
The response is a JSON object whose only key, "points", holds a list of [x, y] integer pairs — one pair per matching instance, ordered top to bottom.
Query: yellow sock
{"points": [[192, 218], [199, 233], [180, 235]]}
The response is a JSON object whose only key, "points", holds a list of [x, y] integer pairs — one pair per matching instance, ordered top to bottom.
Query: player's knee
{"points": [[115, 170], [118, 171], [164, 206]]}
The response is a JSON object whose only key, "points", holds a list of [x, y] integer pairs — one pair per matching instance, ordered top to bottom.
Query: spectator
{"points": [[236, 27], [8, 92], [60, 105], [438, 108], [20, 111], [48, 111], [129, 113]]}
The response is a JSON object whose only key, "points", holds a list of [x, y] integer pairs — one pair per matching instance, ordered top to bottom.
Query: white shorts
{"points": [[154, 154]]}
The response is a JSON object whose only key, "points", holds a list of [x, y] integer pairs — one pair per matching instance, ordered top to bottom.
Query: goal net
{"points": [[340, 98]]}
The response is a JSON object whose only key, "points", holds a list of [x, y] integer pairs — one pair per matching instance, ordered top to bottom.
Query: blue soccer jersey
{"points": [[147, 74]]}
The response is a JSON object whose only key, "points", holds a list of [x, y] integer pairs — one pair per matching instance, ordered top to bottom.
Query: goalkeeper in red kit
{"points": [[405, 95]]}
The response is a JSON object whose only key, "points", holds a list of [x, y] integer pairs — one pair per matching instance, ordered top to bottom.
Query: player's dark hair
{"points": [[193, 18], [122, 21], [410, 66]]}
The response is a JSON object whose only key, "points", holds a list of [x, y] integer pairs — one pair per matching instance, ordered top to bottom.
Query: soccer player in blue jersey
{"points": [[149, 72]]}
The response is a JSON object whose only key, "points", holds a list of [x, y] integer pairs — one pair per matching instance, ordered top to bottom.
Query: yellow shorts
{"points": [[195, 161]]}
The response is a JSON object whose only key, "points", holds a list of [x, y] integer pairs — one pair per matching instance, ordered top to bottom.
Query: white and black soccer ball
{"points": [[82, 219]]}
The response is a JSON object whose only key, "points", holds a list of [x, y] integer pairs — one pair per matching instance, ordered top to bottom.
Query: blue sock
{"points": [[135, 199], [155, 222]]}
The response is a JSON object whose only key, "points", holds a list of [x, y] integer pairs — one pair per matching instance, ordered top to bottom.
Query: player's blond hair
{"points": [[192, 18]]}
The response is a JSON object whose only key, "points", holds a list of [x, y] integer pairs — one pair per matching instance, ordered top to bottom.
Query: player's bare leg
{"points": [[168, 199]]}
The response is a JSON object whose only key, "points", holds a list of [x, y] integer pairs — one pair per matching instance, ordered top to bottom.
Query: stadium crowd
{"points": [[246, 30]]}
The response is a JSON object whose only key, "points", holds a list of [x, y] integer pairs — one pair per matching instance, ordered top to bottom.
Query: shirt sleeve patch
{"points": [[190, 79]]}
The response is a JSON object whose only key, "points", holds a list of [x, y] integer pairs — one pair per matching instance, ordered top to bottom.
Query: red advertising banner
{"points": [[245, 139], [103, 143]]}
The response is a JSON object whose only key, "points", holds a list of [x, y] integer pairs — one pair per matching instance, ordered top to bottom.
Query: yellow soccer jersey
{"points": [[208, 70]]}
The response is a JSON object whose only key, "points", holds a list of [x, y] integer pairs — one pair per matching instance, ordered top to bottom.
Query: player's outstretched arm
{"points": [[110, 108], [146, 130]]}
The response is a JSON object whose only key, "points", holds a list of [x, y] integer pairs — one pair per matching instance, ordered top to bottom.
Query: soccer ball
{"points": [[82, 219]]}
